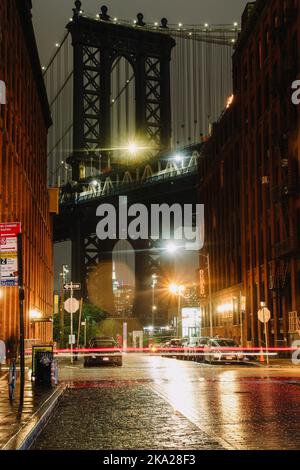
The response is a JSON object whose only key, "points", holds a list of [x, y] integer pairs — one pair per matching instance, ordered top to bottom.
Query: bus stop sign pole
{"points": [[21, 320]]}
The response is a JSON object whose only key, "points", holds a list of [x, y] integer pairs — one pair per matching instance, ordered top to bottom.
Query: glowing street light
{"points": [[229, 101], [132, 148], [178, 158], [171, 248], [173, 288], [176, 289], [35, 314]]}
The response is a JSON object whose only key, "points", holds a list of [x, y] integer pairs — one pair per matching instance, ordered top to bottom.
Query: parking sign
{"points": [[9, 276]]}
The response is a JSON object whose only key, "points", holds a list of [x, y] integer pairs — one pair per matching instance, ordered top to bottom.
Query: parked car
{"points": [[174, 346], [194, 349], [223, 350], [104, 351]]}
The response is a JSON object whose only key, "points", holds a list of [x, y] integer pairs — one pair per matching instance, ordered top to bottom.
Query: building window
{"points": [[266, 43], [295, 54], [259, 55], [251, 66], [245, 77], [267, 92], [258, 103], [298, 227]]}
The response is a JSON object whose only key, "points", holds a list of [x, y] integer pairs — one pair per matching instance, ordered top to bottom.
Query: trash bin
{"points": [[43, 367]]}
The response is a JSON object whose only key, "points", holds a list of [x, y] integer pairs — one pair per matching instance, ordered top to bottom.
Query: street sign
{"points": [[2, 92], [9, 276], [72, 286], [71, 305], [264, 315], [72, 339], [2, 352]]}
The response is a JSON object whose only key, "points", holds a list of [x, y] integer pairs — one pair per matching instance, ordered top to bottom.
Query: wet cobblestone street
{"points": [[158, 403], [126, 417]]}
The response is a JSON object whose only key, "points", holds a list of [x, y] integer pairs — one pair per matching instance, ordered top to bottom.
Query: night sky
{"points": [[50, 18]]}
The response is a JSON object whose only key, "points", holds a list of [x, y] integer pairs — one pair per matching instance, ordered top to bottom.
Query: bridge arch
{"points": [[97, 44], [123, 107]]}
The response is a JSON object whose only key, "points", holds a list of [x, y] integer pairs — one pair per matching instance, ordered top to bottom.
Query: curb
{"points": [[25, 436]]}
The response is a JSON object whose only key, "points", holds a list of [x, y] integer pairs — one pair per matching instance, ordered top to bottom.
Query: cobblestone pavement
{"points": [[158, 403], [128, 416], [10, 420]]}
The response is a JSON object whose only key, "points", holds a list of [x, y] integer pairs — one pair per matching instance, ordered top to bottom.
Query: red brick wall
{"points": [[263, 125], [23, 178]]}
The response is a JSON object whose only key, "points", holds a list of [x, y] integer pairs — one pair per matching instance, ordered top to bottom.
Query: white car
{"points": [[223, 350]]}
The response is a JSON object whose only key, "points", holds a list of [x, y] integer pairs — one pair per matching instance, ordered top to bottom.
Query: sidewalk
{"points": [[280, 363], [10, 422]]}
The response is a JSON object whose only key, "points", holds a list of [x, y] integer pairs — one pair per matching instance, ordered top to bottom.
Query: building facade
{"points": [[24, 122], [253, 219]]}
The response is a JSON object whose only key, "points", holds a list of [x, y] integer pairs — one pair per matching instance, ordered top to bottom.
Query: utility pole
{"points": [[63, 276], [71, 297], [179, 314], [79, 322]]}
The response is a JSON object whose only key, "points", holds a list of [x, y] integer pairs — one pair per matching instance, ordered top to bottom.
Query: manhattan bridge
{"points": [[132, 104]]}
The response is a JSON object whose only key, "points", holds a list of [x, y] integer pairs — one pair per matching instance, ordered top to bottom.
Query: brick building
{"points": [[24, 122], [250, 182]]}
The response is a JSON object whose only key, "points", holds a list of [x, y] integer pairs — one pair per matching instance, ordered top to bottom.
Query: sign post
{"points": [[11, 275], [21, 306], [71, 306], [242, 312], [264, 316], [125, 336]]}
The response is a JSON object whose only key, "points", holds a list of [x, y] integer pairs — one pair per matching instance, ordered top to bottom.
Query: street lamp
{"points": [[132, 148], [172, 248], [63, 278], [177, 290], [209, 292], [35, 315], [83, 323]]}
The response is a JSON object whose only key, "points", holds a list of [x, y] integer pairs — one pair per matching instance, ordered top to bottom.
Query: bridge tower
{"points": [[97, 44]]}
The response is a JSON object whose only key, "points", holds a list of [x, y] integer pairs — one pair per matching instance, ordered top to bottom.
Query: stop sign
{"points": [[71, 305], [264, 315]]}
